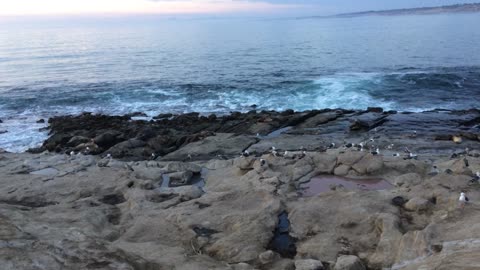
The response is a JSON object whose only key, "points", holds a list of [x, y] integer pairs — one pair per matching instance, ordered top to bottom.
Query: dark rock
{"points": [[375, 109], [288, 112], [136, 114], [163, 116], [40, 121], [3, 131], [108, 139], [76, 140], [131, 148], [113, 199], [398, 201], [205, 232]]}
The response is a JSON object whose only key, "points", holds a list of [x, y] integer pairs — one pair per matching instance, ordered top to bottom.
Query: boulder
{"points": [[107, 139], [132, 148], [368, 165], [341, 170], [407, 180], [418, 205], [267, 257], [349, 262], [308, 264]]}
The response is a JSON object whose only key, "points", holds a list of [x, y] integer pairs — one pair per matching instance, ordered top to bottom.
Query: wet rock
{"points": [[40, 121], [108, 139], [76, 140], [221, 145], [129, 149], [349, 262], [308, 264]]}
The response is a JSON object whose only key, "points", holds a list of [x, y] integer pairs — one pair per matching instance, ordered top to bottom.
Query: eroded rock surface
{"points": [[134, 210]]}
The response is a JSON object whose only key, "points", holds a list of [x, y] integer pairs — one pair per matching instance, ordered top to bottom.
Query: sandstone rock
{"points": [[350, 157], [368, 165], [342, 170], [143, 172], [407, 180], [148, 185], [418, 205], [267, 257], [349, 262], [308, 264]]}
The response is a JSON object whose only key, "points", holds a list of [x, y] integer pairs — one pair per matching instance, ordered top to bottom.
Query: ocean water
{"points": [[154, 65]]}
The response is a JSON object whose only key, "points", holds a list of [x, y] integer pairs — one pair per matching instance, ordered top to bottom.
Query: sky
{"points": [[281, 7]]}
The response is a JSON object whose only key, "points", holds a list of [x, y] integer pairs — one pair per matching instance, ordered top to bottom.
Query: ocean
{"points": [[119, 65]]}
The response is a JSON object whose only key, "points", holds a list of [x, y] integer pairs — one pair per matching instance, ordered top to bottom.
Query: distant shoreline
{"points": [[450, 9]]}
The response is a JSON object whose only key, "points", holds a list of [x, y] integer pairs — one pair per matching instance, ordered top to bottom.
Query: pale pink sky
{"points": [[50, 7]]}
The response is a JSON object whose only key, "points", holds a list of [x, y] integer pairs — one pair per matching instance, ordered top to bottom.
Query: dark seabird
{"points": [[465, 160]]}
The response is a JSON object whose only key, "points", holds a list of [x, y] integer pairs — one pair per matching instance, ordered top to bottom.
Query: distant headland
{"points": [[459, 8]]}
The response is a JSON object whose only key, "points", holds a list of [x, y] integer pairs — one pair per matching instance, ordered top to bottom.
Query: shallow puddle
{"points": [[324, 183], [282, 242]]}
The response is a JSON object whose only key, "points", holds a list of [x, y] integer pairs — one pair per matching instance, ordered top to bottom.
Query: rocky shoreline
{"points": [[225, 192]]}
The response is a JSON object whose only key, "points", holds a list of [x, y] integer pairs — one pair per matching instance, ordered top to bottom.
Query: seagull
{"points": [[332, 145], [390, 147], [376, 152], [72, 153], [245, 153], [274, 153], [109, 155], [396, 155], [153, 156], [262, 162], [463, 200]]}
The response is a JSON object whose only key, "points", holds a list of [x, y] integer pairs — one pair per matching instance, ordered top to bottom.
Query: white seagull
{"points": [[463, 200]]}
